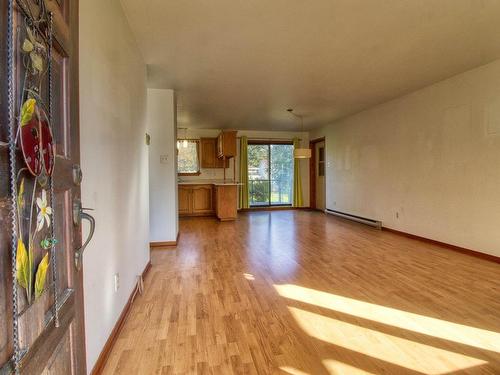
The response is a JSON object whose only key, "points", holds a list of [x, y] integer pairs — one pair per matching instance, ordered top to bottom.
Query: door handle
{"points": [[79, 214]]}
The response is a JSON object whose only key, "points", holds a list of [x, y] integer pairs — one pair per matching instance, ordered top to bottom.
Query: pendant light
{"points": [[300, 153]]}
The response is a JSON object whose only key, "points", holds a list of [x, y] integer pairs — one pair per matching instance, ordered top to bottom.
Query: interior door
{"points": [[320, 175], [51, 335]]}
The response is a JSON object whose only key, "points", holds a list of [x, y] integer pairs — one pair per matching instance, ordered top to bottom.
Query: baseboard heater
{"points": [[358, 219]]}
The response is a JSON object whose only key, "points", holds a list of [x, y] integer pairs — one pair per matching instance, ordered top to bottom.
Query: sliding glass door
{"points": [[270, 174]]}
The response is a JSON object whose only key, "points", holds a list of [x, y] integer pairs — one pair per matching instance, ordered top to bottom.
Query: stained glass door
{"points": [[48, 305]]}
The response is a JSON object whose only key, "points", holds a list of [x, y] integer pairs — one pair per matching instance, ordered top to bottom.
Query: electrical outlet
{"points": [[163, 159], [397, 215], [117, 281]]}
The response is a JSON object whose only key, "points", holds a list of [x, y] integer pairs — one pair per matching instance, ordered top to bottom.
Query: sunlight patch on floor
{"points": [[479, 338], [391, 349], [339, 368], [292, 370]]}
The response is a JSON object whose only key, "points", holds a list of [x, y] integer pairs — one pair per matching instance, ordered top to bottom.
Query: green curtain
{"points": [[297, 181], [243, 192]]}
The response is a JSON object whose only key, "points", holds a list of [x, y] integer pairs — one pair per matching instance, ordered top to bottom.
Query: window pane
{"points": [[321, 154], [188, 157], [258, 162], [321, 169], [258, 174], [281, 174], [259, 192]]}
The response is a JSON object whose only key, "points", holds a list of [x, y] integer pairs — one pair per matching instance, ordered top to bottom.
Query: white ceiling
{"points": [[242, 63]]}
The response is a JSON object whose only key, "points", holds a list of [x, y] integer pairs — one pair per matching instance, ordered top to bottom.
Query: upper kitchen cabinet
{"points": [[226, 144], [209, 154]]}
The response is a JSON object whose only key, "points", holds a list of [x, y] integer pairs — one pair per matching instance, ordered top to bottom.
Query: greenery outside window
{"points": [[188, 157]]}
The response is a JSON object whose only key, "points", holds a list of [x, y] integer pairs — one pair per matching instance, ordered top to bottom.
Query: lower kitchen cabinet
{"points": [[226, 197], [185, 200], [196, 200], [203, 200]]}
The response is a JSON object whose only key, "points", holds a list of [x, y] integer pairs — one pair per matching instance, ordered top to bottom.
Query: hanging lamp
{"points": [[300, 153]]}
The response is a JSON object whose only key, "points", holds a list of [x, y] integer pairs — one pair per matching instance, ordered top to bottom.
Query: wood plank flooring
{"points": [[298, 292]]}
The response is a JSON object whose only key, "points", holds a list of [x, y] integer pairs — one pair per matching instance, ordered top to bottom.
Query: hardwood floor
{"points": [[298, 292]]}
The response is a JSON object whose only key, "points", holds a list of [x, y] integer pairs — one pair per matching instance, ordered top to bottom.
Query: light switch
{"points": [[163, 159]]}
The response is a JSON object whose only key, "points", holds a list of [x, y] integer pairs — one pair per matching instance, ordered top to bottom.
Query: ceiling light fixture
{"points": [[300, 153]]}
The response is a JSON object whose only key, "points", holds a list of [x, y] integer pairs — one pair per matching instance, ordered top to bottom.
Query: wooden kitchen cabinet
{"points": [[226, 144], [208, 152], [209, 157], [226, 197], [209, 199], [185, 200], [196, 200], [202, 200]]}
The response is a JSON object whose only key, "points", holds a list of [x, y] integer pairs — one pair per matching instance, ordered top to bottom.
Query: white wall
{"points": [[162, 127], [251, 134], [432, 157], [114, 162]]}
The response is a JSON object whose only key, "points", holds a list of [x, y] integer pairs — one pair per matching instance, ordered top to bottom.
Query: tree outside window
{"points": [[188, 159]]}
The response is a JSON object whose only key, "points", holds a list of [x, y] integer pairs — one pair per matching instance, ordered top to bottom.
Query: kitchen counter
{"points": [[209, 197]]}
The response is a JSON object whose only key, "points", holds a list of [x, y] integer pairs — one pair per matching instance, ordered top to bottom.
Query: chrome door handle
{"points": [[78, 216]]}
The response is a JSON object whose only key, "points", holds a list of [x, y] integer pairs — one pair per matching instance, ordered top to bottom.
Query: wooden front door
{"points": [[50, 329]]}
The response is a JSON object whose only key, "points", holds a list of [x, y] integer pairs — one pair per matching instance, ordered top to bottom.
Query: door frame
{"points": [[74, 107], [312, 171]]}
